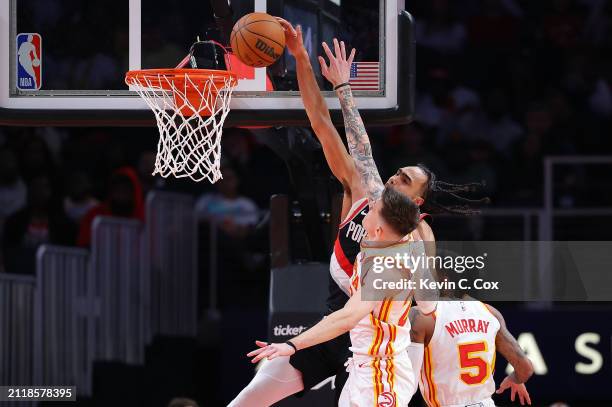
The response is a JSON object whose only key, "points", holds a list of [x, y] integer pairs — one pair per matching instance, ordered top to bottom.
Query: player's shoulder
{"points": [[354, 183], [358, 205], [425, 231], [489, 307], [493, 311], [419, 318], [422, 326]]}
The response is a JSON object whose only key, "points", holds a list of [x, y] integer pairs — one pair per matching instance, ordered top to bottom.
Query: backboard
{"points": [[67, 58]]}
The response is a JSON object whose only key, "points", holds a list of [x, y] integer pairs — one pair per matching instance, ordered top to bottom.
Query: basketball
{"points": [[258, 40]]}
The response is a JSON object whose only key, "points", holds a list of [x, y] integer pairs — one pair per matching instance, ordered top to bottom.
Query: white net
{"points": [[190, 111]]}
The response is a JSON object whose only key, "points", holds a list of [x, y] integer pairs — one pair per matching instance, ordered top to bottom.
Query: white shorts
{"points": [[378, 382], [488, 402]]}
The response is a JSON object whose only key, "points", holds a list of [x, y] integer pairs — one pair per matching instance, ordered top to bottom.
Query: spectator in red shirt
{"points": [[124, 199]]}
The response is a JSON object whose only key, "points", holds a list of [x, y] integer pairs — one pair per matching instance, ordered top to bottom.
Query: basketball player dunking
{"points": [[461, 339], [284, 376]]}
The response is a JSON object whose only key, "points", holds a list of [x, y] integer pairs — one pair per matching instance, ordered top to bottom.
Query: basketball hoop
{"points": [[190, 107]]}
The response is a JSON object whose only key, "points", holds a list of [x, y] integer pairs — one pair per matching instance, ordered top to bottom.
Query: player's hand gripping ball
{"points": [[258, 39]]}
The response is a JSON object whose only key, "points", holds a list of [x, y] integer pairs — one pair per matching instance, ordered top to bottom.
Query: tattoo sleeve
{"points": [[359, 145], [510, 349]]}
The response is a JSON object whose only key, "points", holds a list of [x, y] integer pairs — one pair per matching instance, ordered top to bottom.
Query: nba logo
{"points": [[29, 61]]}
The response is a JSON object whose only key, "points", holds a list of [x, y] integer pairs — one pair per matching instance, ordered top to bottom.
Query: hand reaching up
{"points": [[339, 69]]}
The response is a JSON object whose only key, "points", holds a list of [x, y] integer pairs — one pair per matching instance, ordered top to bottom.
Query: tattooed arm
{"points": [[338, 72], [359, 145], [507, 345], [511, 350]]}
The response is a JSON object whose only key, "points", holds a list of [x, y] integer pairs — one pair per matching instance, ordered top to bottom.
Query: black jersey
{"points": [[346, 249]]}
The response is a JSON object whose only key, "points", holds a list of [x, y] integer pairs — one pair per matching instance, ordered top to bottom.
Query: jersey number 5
{"points": [[474, 369]]}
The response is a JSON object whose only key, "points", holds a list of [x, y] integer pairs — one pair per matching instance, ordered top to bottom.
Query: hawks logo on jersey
{"points": [[380, 339], [386, 399]]}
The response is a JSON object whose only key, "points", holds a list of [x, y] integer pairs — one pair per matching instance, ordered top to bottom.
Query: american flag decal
{"points": [[365, 76]]}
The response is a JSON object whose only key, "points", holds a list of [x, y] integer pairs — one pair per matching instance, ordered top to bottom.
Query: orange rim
{"points": [[196, 75], [190, 83]]}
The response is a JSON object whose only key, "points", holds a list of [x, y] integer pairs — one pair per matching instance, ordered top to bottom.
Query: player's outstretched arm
{"points": [[338, 73], [337, 157], [328, 328], [507, 345]]}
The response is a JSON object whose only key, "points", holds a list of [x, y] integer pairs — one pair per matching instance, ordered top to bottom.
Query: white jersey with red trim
{"points": [[386, 330], [459, 360], [380, 372]]}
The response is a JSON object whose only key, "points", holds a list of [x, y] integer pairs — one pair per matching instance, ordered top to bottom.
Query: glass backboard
{"points": [[86, 47]]}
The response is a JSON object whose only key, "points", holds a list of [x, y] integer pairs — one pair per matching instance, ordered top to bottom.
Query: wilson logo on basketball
{"points": [[266, 49], [386, 399]]}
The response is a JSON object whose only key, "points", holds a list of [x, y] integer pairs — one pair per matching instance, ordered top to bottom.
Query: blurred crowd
{"points": [[504, 83], [55, 181]]}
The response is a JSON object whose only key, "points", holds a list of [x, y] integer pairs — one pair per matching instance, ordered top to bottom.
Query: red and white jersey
{"points": [[346, 247], [385, 331], [459, 360]]}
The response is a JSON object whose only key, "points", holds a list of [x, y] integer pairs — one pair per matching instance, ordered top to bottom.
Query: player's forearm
{"points": [[314, 103], [359, 145], [336, 155], [426, 297], [328, 328], [508, 346], [415, 354], [523, 370]]}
